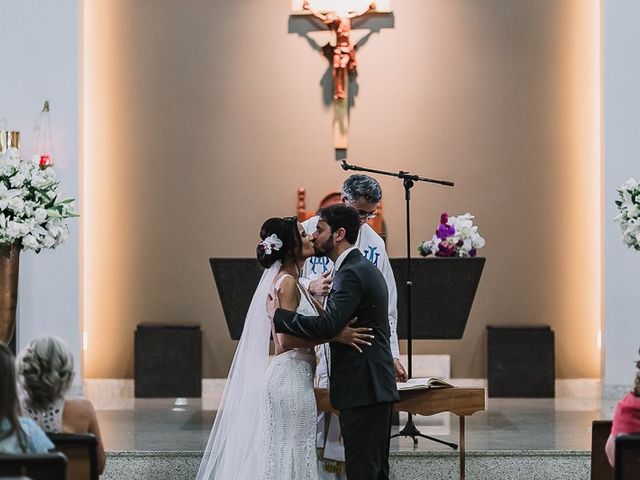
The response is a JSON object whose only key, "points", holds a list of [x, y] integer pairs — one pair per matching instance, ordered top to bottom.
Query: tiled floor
{"points": [[561, 424]]}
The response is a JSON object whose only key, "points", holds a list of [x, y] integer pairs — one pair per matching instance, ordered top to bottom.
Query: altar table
{"points": [[461, 401]]}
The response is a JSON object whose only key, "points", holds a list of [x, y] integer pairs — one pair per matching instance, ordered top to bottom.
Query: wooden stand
{"points": [[460, 401]]}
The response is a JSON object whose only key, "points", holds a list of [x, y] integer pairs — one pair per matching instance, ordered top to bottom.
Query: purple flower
{"points": [[444, 219], [444, 231], [445, 249], [473, 252]]}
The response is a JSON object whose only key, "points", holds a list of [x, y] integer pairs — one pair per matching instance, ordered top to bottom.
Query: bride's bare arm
{"points": [[289, 298]]}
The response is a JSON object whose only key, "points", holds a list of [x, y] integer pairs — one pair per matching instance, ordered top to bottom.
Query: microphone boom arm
{"points": [[400, 174]]}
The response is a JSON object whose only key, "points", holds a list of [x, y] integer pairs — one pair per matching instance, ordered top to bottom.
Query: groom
{"points": [[363, 385]]}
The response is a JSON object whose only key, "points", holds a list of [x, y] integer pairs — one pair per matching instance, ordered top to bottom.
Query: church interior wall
{"points": [[201, 119]]}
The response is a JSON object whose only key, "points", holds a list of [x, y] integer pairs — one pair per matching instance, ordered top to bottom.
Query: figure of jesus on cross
{"points": [[344, 51]]}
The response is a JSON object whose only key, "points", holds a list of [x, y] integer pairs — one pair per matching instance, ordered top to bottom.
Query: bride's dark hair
{"points": [[286, 229]]}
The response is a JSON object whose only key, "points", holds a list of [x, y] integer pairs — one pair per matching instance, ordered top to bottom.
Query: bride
{"points": [[265, 427]]}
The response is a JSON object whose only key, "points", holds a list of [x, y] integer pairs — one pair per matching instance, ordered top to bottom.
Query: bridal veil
{"points": [[229, 454]]}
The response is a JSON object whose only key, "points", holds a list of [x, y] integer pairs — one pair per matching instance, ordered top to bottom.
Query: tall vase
{"points": [[9, 265]]}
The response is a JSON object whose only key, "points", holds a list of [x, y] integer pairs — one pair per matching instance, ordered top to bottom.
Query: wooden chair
{"points": [[333, 198], [81, 451], [627, 457], [50, 466], [600, 468]]}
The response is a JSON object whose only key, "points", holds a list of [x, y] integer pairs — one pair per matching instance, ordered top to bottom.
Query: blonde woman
{"points": [[45, 373], [18, 434]]}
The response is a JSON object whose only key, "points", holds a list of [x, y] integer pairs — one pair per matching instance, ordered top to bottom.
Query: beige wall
{"points": [[202, 118]]}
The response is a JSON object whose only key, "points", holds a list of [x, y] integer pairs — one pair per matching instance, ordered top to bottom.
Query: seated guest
{"points": [[45, 372], [626, 418], [17, 434]]}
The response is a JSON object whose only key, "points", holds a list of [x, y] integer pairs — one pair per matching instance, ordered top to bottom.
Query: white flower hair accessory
{"points": [[271, 243]]}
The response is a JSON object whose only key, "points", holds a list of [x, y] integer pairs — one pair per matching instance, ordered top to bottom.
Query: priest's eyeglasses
{"points": [[364, 215]]}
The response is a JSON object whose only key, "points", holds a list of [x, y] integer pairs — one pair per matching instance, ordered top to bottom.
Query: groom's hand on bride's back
{"points": [[356, 337]]}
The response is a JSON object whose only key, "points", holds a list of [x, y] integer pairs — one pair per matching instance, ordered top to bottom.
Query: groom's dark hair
{"points": [[342, 216]]}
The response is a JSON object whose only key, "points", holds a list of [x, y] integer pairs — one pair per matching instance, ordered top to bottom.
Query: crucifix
{"points": [[341, 53]]}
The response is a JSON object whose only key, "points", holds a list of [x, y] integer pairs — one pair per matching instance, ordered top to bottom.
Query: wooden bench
{"points": [[460, 401], [81, 451], [627, 457], [48, 466], [600, 468]]}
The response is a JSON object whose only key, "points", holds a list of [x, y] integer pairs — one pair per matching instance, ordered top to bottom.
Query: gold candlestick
{"points": [[9, 139]]}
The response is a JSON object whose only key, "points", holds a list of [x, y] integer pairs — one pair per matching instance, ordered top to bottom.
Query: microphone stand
{"points": [[408, 181]]}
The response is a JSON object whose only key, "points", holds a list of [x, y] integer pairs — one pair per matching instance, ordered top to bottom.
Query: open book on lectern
{"points": [[423, 384]]}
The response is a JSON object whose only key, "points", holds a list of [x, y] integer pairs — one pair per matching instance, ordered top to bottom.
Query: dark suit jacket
{"points": [[359, 290]]}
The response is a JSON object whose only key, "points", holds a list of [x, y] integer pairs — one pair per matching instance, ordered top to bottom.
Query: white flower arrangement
{"points": [[31, 215], [629, 216], [454, 237]]}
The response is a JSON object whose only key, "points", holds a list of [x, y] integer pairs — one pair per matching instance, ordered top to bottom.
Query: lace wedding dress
{"points": [[265, 426], [286, 434]]}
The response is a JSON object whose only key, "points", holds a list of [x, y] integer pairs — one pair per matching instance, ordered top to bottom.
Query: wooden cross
{"points": [[341, 51]]}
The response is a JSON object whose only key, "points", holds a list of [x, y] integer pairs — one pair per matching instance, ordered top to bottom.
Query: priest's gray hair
{"points": [[359, 185], [45, 371]]}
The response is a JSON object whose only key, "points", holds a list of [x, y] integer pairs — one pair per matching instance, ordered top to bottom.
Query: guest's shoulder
{"points": [[630, 402], [79, 406]]}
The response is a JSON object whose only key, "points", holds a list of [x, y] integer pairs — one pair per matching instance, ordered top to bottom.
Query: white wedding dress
{"points": [[265, 426], [286, 435]]}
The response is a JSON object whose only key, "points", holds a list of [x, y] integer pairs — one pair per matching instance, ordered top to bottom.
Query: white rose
{"points": [[11, 158], [6, 170], [49, 173], [17, 180], [38, 180], [630, 184], [6, 195], [17, 205], [29, 207], [40, 215], [54, 228], [16, 229], [36, 229], [63, 236], [48, 241], [435, 241], [478, 241], [30, 242]]}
